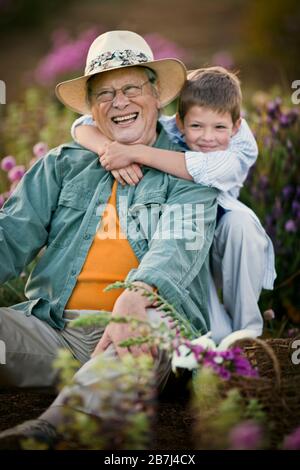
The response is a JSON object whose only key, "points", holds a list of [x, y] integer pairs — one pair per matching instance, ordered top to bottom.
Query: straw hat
{"points": [[121, 49]]}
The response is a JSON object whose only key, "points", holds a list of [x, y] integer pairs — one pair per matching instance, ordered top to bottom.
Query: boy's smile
{"points": [[207, 130]]}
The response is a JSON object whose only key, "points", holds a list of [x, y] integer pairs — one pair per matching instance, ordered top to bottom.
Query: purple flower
{"points": [[66, 56], [273, 108], [284, 120], [40, 149], [7, 163], [16, 173], [287, 191], [295, 207], [290, 226], [293, 332], [223, 373], [247, 435], [292, 442]]}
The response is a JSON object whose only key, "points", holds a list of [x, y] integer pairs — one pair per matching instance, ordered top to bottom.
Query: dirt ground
{"points": [[172, 430]]}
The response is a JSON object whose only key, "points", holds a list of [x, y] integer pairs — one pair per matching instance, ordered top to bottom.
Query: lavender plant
{"points": [[273, 191]]}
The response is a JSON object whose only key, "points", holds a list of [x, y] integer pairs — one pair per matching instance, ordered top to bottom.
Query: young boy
{"points": [[222, 150]]}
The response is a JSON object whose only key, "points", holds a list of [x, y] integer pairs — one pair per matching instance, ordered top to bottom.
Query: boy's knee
{"points": [[239, 225], [239, 228]]}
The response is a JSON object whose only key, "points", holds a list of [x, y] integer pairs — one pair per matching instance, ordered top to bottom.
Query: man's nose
{"points": [[120, 100]]}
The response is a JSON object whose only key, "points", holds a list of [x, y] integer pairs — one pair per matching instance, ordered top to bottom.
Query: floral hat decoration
{"points": [[121, 49]]}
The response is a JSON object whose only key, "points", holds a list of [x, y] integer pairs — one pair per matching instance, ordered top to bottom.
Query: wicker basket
{"points": [[277, 387]]}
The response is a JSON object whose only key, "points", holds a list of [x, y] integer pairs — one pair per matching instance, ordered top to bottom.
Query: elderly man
{"points": [[59, 205]]}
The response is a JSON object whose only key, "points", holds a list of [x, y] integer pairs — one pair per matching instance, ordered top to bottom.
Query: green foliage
{"points": [[36, 118], [272, 190], [164, 306], [124, 408], [217, 415]]}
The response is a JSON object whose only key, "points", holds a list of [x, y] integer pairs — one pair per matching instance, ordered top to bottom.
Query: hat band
{"points": [[116, 59]]}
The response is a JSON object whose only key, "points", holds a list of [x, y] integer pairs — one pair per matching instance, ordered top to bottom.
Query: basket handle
{"points": [[269, 350]]}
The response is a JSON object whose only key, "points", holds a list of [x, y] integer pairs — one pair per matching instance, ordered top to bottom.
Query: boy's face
{"points": [[207, 130]]}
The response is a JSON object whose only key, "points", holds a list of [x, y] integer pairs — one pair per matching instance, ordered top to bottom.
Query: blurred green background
{"points": [[261, 39]]}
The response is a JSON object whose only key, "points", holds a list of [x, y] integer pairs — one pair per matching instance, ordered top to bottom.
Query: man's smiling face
{"points": [[126, 120]]}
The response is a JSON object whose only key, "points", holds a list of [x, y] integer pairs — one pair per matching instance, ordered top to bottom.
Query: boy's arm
{"points": [[85, 132], [117, 156], [226, 169]]}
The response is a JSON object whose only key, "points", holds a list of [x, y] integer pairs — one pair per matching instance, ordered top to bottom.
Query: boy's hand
{"points": [[117, 156], [132, 174]]}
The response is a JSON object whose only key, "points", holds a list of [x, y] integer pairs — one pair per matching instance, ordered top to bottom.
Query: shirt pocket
{"points": [[73, 203], [146, 211]]}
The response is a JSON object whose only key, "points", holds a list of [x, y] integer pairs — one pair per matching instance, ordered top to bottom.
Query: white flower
{"points": [[186, 359]]}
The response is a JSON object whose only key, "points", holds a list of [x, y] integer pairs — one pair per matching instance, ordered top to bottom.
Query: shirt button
{"points": [[87, 236], [73, 272]]}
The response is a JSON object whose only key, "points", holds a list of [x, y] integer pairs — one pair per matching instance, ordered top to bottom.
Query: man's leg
{"points": [[238, 259], [30, 347], [86, 380], [86, 384]]}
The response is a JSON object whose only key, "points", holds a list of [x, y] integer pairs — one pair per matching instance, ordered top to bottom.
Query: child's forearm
{"points": [[91, 138], [167, 161]]}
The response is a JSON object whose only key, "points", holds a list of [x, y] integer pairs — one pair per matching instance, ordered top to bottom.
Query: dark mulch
{"points": [[172, 429]]}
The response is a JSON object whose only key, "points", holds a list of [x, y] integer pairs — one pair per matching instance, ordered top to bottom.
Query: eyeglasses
{"points": [[130, 91]]}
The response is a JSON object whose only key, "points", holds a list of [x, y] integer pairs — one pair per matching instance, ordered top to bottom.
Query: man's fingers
{"points": [[137, 170], [126, 176], [118, 177], [102, 345], [121, 352]]}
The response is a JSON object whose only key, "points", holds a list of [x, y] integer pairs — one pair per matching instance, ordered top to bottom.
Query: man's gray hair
{"points": [[151, 75]]}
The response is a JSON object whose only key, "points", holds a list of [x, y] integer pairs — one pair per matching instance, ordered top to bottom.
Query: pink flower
{"points": [[67, 55], [40, 149], [7, 163], [16, 173], [269, 314], [246, 436], [292, 442]]}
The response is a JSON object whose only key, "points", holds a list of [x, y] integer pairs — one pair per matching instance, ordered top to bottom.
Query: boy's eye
{"points": [[196, 125], [221, 127]]}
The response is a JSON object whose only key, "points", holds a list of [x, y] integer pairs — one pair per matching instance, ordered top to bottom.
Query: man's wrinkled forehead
{"points": [[127, 75]]}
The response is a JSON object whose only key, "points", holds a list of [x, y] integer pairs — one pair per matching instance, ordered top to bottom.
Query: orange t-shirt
{"points": [[109, 259]]}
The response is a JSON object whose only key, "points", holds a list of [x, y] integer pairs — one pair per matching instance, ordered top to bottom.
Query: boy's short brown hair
{"points": [[211, 87]]}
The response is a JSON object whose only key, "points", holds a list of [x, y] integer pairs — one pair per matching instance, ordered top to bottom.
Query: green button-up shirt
{"points": [[58, 205]]}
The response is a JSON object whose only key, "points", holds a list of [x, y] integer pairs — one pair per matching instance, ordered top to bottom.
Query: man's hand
{"points": [[117, 156], [132, 174], [129, 304]]}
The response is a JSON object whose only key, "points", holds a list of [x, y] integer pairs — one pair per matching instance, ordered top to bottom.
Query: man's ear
{"points": [[156, 90], [179, 123], [236, 126]]}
